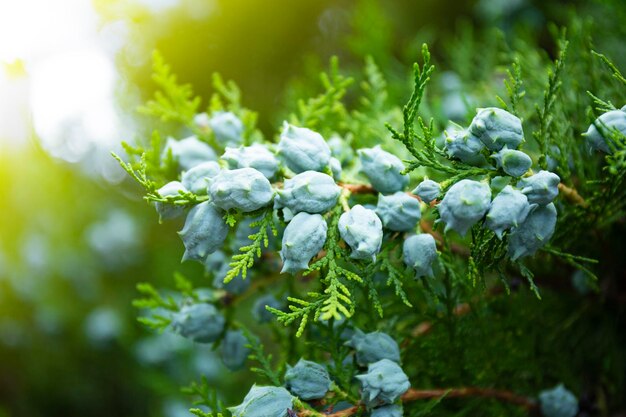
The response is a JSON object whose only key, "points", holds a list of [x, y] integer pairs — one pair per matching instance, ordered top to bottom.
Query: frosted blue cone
{"points": [[450, 81], [201, 120], [227, 128], [497, 128], [601, 130], [462, 145], [303, 149], [341, 149], [188, 152], [256, 156], [552, 156], [515, 163], [335, 167], [383, 170], [196, 179], [498, 183], [540, 188], [245, 189], [427, 190], [310, 191], [465, 203], [509, 209], [168, 211], [399, 211], [287, 214], [362, 230], [204, 232], [533, 233], [303, 238], [419, 252], [215, 262], [581, 282], [205, 295], [260, 313], [200, 322], [103, 325], [374, 346], [233, 349], [307, 380], [383, 383], [264, 402], [558, 402], [388, 411]]}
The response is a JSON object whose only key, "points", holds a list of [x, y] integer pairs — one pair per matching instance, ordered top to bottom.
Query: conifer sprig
{"points": [[611, 66], [514, 88], [173, 102], [327, 107], [545, 113], [408, 136], [427, 154], [244, 260], [153, 301], [335, 301], [266, 370], [204, 395]]}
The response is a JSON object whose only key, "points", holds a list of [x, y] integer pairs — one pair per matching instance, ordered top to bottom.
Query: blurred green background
{"points": [[75, 238]]}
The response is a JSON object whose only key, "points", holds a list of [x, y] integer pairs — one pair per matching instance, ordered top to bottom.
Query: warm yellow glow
{"points": [[30, 29], [66, 89], [72, 102], [14, 106]]}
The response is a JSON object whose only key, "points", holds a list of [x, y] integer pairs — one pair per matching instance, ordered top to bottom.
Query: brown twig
{"points": [[358, 188], [368, 189], [571, 195], [426, 394], [501, 395], [343, 413]]}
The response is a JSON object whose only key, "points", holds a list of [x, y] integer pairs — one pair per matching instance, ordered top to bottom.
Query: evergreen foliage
{"points": [[464, 327]]}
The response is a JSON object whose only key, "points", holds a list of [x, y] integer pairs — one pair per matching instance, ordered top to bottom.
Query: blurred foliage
{"points": [[72, 249]]}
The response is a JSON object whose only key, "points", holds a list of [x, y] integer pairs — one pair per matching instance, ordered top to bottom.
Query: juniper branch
{"points": [[615, 72], [545, 113], [244, 260], [412, 394]]}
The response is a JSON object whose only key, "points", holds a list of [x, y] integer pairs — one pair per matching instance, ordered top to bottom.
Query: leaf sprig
{"points": [[173, 101], [317, 110], [543, 135], [428, 154], [244, 260], [153, 301], [335, 301], [266, 370], [204, 395]]}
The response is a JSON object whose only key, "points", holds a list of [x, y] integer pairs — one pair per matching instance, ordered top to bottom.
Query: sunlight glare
{"points": [[68, 88]]}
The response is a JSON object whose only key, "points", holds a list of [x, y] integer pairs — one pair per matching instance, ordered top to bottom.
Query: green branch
{"points": [[611, 66], [513, 88], [173, 102], [314, 111], [546, 113], [245, 259], [336, 299], [265, 361]]}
